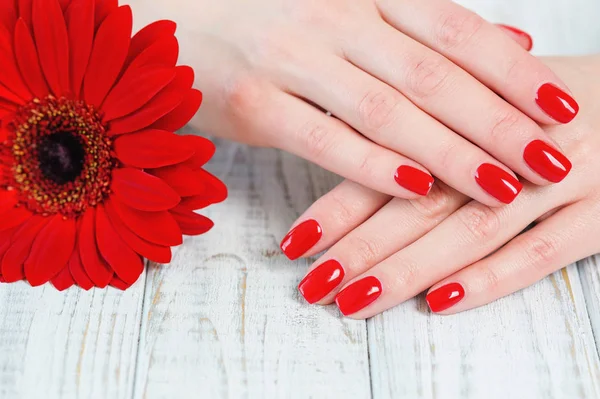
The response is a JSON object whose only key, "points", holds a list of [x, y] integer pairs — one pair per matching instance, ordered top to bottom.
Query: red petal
{"points": [[64, 4], [25, 7], [103, 9], [8, 14], [80, 25], [148, 36], [52, 43], [162, 53], [108, 55], [27, 58], [10, 77], [135, 89], [9, 96], [163, 103], [181, 115], [152, 149], [204, 150], [183, 179], [142, 191], [214, 193], [8, 199], [13, 217], [191, 223], [157, 227], [5, 241], [51, 250], [148, 250], [124, 261], [95, 267], [13, 268], [78, 272], [63, 280], [119, 284]]}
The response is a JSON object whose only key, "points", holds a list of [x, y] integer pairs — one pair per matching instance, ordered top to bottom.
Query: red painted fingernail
{"points": [[520, 33], [556, 103], [547, 161], [414, 179], [498, 183], [301, 238], [321, 281], [358, 295], [445, 297]]}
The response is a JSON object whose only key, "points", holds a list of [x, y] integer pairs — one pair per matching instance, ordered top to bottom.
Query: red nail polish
{"points": [[521, 33], [556, 103], [547, 161], [414, 179], [498, 183], [301, 238], [321, 281], [358, 295], [445, 297]]}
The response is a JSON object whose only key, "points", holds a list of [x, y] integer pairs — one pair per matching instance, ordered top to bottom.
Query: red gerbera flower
{"points": [[92, 177]]}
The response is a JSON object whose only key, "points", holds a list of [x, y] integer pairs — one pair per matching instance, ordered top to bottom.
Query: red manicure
{"points": [[521, 33], [556, 103], [548, 162], [414, 179], [498, 183], [301, 238], [321, 281], [358, 295], [445, 297]]}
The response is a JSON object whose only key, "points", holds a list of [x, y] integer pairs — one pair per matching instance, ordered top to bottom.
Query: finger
{"points": [[522, 38], [486, 53], [459, 101], [388, 118], [299, 128], [330, 218], [393, 227], [468, 235], [564, 238]]}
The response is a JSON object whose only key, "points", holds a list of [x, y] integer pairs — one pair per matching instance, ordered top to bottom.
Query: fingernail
{"points": [[520, 33], [556, 103], [547, 161], [414, 179], [497, 182], [301, 238], [321, 281], [358, 295], [445, 297]]}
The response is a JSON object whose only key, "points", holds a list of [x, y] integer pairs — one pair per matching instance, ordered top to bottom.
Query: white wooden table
{"points": [[225, 320]]}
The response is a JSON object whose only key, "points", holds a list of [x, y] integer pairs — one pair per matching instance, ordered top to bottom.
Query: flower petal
{"points": [[25, 7], [103, 9], [8, 14], [80, 26], [148, 36], [52, 43], [163, 53], [108, 55], [27, 59], [10, 77], [136, 88], [7, 95], [163, 103], [181, 115], [152, 149], [204, 150], [184, 180], [143, 191], [215, 192], [8, 199], [14, 217], [191, 223], [157, 227], [5, 242], [51, 250], [153, 252], [124, 261], [93, 264], [13, 268], [78, 272], [63, 280], [120, 284]]}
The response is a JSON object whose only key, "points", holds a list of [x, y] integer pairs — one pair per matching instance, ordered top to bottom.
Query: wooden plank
{"points": [[589, 270], [225, 320], [537, 343], [68, 345]]}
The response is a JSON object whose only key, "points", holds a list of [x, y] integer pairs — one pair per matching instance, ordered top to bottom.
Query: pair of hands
{"points": [[415, 86]]}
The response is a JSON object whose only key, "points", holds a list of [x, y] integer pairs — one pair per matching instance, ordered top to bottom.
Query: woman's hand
{"points": [[429, 85], [383, 251]]}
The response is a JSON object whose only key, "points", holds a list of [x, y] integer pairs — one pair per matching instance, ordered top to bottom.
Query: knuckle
{"points": [[457, 28], [427, 77], [242, 94], [378, 109], [504, 126], [316, 139], [435, 206], [343, 211], [480, 222], [365, 250], [541, 251], [409, 272], [490, 279]]}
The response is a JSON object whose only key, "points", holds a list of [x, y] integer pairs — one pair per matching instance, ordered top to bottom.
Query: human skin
{"points": [[412, 86]]}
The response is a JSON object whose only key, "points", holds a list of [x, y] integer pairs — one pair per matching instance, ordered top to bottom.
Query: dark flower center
{"points": [[61, 157]]}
